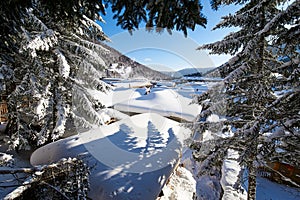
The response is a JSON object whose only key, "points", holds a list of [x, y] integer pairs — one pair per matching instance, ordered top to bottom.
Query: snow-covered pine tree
{"points": [[50, 61], [265, 125]]}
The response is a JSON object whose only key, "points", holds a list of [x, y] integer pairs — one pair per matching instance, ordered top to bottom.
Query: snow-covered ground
{"points": [[127, 83], [190, 89], [129, 96], [164, 101], [127, 148], [138, 156], [132, 158], [267, 190]]}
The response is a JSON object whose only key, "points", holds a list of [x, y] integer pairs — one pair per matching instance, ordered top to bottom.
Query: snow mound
{"points": [[114, 96], [163, 101], [109, 115], [129, 159], [181, 186], [270, 190]]}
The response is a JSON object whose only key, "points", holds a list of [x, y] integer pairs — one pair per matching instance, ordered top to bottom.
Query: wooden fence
{"points": [[3, 111], [276, 170]]}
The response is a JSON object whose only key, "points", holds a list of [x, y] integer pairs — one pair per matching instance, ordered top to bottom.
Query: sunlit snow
{"points": [[129, 155]]}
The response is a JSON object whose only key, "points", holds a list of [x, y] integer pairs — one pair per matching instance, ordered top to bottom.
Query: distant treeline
{"points": [[197, 74]]}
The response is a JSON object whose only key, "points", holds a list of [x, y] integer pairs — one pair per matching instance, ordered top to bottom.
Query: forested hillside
{"points": [[135, 70]]}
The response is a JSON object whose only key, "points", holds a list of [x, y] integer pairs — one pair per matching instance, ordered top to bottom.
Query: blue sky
{"points": [[170, 52]]}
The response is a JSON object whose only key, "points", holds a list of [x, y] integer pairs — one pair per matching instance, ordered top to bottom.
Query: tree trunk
{"points": [[259, 70], [251, 180]]}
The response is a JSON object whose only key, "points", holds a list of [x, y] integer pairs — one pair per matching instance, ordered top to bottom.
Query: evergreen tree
{"points": [[51, 60], [265, 127]]}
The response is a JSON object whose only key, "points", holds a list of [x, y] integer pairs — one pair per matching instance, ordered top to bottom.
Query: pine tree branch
{"points": [[284, 15], [295, 61], [18, 170], [56, 189], [20, 190]]}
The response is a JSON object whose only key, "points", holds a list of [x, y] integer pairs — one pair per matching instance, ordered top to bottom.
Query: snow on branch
{"points": [[217, 3], [283, 15], [239, 17], [36, 20], [226, 22], [91, 23], [92, 26], [43, 41], [87, 43], [227, 46], [89, 53], [230, 65], [64, 67], [6, 72], [237, 73], [91, 79], [287, 95], [43, 103], [84, 108], [62, 113], [81, 123], [16, 193]]}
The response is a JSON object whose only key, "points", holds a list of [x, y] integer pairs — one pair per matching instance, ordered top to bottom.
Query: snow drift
{"points": [[163, 101], [129, 159]]}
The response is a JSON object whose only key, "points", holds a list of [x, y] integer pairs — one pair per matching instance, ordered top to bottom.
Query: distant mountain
{"points": [[121, 66], [187, 71]]}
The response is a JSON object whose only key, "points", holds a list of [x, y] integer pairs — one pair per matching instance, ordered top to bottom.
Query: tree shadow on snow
{"points": [[124, 164]]}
